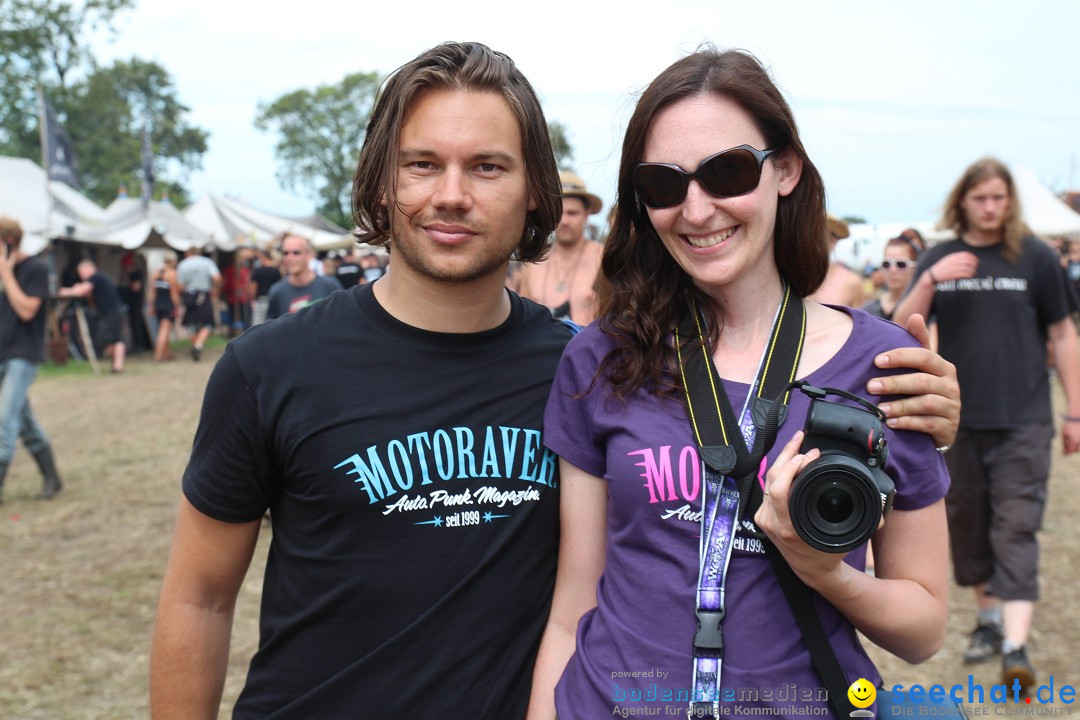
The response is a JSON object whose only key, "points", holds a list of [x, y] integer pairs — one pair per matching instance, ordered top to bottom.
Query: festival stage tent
{"points": [[48, 209], [1044, 212], [230, 223]]}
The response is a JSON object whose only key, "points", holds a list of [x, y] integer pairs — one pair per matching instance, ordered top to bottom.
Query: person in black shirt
{"points": [[348, 272], [263, 276], [24, 287], [999, 294], [111, 313]]}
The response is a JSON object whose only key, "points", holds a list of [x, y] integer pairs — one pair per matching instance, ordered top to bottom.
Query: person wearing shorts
{"points": [[200, 281], [999, 296], [111, 311]]}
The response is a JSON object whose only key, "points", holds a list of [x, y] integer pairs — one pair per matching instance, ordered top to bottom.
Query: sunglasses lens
{"points": [[735, 172], [659, 186], [898, 264]]}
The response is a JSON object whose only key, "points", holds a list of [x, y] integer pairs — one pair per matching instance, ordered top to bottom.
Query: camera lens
{"points": [[835, 504]]}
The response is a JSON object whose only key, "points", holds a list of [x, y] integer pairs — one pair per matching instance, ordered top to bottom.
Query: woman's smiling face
{"points": [[716, 240]]}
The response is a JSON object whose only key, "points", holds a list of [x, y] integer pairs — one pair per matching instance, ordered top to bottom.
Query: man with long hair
{"points": [[998, 295], [415, 522]]}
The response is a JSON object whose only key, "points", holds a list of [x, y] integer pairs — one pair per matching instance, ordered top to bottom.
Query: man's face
{"points": [[462, 191], [986, 204], [571, 227], [295, 255]]}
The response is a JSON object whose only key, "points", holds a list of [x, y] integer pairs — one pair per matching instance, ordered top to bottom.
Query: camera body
{"points": [[838, 500]]}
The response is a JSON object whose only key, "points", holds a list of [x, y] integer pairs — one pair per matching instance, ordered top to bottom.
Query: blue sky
{"points": [[893, 100]]}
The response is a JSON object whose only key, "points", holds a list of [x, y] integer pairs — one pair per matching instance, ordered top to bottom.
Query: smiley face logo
{"points": [[862, 693]]}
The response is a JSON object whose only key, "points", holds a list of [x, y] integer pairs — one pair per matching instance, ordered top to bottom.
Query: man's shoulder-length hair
{"points": [[460, 66]]}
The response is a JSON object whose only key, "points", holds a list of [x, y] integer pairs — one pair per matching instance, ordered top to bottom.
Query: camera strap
{"points": [[732, 451], [731, 464]]}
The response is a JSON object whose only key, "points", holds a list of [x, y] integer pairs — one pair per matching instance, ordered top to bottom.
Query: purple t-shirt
{"points": [[634, 650]]}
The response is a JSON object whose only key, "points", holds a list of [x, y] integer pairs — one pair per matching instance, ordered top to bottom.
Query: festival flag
{"points": [[57, 150], [147, 168]]}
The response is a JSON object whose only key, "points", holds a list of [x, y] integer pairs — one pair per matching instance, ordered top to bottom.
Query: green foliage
{"points": [[41, 43], [111, 108], [104, 110], [320, 133], [564, 154], [853, 220]]}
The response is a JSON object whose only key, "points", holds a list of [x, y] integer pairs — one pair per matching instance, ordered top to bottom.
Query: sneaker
{"points": [[196, 353], [985, 643], [1016, 667]]}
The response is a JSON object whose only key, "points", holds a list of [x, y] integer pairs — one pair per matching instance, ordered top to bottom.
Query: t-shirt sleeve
{"points": [[35, 282], [1051, 294], [568, 427], [914, 464], [230, 476]]}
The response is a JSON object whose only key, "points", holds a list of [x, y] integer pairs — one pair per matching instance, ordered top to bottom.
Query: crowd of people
{"points": [[587, 468]]}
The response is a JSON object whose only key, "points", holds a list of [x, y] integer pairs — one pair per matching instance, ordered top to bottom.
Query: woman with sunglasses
{"points": [[721, 216], [901, 256]]}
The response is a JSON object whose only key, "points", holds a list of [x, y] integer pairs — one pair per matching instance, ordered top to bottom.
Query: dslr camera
{"points": [[838, 500]]}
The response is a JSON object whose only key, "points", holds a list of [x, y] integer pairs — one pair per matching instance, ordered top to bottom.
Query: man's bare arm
{"points": [[190, 649]]}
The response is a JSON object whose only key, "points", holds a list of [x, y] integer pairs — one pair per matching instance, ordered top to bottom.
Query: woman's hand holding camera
{"points": [[816, 568]]}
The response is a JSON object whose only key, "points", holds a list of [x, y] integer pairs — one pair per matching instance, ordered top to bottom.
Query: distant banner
{"points": [[61, 163], [147, 168]]}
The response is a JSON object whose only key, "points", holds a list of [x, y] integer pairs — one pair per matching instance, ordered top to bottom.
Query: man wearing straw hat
{"points": [[564, 280]]}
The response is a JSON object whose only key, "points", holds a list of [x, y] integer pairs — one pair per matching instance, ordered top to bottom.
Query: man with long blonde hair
{"points": [[999, 294]]}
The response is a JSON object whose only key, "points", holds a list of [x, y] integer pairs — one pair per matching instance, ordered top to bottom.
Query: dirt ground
{"points": [[79, 576]]}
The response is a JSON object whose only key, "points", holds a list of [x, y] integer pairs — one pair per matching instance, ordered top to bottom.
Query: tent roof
{"points": [[47, 209], [1044, 212], [230, 222], [131, 227]]}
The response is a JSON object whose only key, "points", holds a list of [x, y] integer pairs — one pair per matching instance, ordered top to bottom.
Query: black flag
{"points": [[57, 150], [147, 169]]}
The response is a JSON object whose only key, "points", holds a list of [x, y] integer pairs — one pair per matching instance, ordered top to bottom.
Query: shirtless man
{"points": [[564, 280], [842, 285]]}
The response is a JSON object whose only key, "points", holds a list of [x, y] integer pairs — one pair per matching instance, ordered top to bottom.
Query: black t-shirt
{"points": [[348, 274], [264, 278], [106, 298], [993, 327], [20, 339], [413, 505]]}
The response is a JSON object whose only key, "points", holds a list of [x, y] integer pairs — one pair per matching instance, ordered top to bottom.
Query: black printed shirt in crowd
{"points": [[993, 327], [414, 507]]}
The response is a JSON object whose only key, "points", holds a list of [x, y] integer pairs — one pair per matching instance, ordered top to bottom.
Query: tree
{"points": [[41, 43], [113, 106], [104, 110], [320, 135], [560, 145]]}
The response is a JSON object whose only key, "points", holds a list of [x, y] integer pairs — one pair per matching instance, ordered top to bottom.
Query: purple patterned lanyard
{"points": [[719, 522]]}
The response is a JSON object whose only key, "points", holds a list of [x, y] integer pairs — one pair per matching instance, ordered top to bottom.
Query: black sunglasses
{"points": [[729, 173], [900, 264]]}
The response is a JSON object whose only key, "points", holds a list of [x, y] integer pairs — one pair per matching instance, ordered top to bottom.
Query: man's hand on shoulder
{"points": [[934, 403]]}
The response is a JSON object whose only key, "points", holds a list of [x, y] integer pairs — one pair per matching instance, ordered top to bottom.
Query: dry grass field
{"points": [[79, 575]]}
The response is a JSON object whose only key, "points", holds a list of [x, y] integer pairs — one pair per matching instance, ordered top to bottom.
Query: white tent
{"points": [[47, 209], [1044, 212], [230, 222], [159, 224]]}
